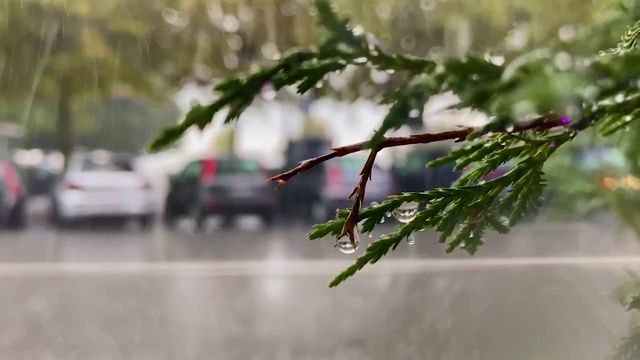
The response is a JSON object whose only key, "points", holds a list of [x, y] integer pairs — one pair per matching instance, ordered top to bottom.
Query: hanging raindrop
{"points": [[406, 212], [411, 239], [346, 246]]}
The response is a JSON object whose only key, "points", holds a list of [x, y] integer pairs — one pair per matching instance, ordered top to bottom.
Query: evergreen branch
{"points": [[628, 40], [546, 122], [470, 209]]}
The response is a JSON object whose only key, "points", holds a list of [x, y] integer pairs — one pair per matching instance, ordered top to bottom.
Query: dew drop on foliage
{"points": [[428, 5], [288, 8], [175, 18], [566, 32], [408, 42], [495, 57], [231, 61], [563, 61], [379, 77], [591, 92], [619, 98], [523, 109], [628, 118], [406, 212], [411, 239], [346, 247]]}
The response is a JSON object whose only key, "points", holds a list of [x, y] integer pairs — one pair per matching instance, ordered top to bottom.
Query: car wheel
{"points": [[18, 217], [199, 217], [169, 218], [268, 218], [56, 219], [146, 221], [227, 221]]}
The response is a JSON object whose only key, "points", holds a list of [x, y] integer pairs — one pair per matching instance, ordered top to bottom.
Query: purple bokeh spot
{"points": [[565, 121], [553, 145]]}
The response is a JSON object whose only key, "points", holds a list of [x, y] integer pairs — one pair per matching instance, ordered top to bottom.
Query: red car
{"points": [[13, 197]]}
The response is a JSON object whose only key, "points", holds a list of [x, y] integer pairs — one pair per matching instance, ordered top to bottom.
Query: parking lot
{"points": [[253, 293]]}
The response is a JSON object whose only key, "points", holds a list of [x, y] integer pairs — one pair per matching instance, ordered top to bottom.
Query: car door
{"points": [[185, 186]]}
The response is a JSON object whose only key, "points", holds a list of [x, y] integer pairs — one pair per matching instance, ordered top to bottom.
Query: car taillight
{"points": [[209, 170], [334, 178], [12, 180], [72, 186]]}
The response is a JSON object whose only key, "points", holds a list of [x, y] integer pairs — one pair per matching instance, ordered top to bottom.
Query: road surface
{"points": [[542, 292]]}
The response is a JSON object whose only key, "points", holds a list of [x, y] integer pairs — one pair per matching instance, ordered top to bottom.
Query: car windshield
{"points": [[92, 165], [234, 167]]}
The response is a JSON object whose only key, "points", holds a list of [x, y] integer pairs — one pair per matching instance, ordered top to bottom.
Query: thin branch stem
{"points": [[544, 122]]}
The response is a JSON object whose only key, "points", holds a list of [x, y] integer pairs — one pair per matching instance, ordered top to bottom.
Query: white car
{"points": [[102, 185]]}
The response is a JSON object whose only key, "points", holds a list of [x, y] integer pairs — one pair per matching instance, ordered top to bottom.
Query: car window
{"points": [[89, 165], [233, 167], [350, 169], [192, 170]]}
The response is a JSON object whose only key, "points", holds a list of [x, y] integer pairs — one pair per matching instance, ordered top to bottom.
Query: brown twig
{"points": [[544, 122]]}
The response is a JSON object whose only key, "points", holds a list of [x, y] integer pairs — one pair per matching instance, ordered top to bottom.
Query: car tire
{"points": [[18, 217], [199, 217], [268, 218], [56, 219], [169, 219], [146, 221], [227, 222]]}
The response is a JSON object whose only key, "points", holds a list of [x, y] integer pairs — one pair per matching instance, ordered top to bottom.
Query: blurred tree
{"points": [[67, 53], [224, 143]]}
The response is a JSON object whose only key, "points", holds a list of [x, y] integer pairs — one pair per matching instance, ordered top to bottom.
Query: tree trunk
{"points": [[64, 120]]}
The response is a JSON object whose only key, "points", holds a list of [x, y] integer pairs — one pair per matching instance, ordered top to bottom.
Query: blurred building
{"points": [[9, 135]]}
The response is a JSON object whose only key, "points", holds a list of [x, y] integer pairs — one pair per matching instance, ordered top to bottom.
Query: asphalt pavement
{"points": [[542, 292]]}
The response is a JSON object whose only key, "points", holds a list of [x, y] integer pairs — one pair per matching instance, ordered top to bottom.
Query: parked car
{"points": [[341, 177], [39, 180], [102, 185], [224, 186], [13, 197], [296, 199]]}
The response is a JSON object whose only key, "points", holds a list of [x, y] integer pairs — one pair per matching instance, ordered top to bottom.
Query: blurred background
{"points": [[109, 252]]}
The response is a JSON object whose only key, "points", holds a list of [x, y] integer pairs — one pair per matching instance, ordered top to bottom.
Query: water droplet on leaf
{"points": [[566, 32], [360, 60], [563, 61], [619, 98], [406, 212], [411, 239], [346, 246]]}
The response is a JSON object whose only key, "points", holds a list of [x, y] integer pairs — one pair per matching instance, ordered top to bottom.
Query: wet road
{"points": [[251, 293]]}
